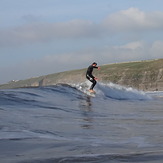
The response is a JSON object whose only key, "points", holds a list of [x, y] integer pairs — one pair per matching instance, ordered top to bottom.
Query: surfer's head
{"points": [[94, 64]]}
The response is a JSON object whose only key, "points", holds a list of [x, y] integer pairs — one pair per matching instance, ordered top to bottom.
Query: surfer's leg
{"points": [[93, 81], [93, 84]]}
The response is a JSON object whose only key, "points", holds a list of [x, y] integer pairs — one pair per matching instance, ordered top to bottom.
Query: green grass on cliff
{"points": [[131, 69]]}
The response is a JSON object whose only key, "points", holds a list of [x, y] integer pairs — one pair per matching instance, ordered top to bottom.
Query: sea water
{"points": [[65, 124]]}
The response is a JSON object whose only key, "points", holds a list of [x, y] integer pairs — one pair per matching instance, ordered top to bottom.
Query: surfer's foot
{"points": [[91, 91]]}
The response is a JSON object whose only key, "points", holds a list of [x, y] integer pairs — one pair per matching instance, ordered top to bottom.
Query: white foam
{"points": [[84, 87], [114, 91], [120, 92]]}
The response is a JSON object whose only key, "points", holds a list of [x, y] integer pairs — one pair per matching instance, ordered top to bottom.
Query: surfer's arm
{"points": [[97, 67]]}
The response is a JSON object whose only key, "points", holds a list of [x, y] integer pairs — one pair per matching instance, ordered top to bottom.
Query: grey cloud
{"points": [[133, 19], [127, 21], [44, 32]]}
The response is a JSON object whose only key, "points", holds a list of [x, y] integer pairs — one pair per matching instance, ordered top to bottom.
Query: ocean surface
{"points": [[66, 124]]}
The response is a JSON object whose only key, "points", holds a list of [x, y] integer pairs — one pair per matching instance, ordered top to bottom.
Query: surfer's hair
{"points": [[94, 63]]}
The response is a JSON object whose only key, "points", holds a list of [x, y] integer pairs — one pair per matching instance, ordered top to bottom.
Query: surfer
{"points": [[90, 77]]}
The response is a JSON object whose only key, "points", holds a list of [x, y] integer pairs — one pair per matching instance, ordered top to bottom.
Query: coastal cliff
{"points": [[142, 75]]}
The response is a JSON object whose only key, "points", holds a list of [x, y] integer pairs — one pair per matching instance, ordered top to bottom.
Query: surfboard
{"points": [[91, 93]]}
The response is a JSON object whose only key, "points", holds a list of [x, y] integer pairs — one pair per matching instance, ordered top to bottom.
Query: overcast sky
{"points": [[40, 37]]}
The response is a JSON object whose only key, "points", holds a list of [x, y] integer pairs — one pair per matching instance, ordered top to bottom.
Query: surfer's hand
{"points": [[98, 68], [96, 78]]}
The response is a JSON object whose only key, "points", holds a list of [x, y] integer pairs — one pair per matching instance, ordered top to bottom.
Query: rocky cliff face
{"points": [[144, 75], [145, 80]]}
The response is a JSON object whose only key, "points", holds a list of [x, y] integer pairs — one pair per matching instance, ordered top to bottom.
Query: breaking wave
{"points": [[114, 91]]}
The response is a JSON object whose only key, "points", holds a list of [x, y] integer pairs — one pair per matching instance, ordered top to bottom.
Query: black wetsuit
{"points": [[90, 77]]}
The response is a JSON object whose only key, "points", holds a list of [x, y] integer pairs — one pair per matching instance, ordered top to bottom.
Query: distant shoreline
{"points": [[142, 75]]}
